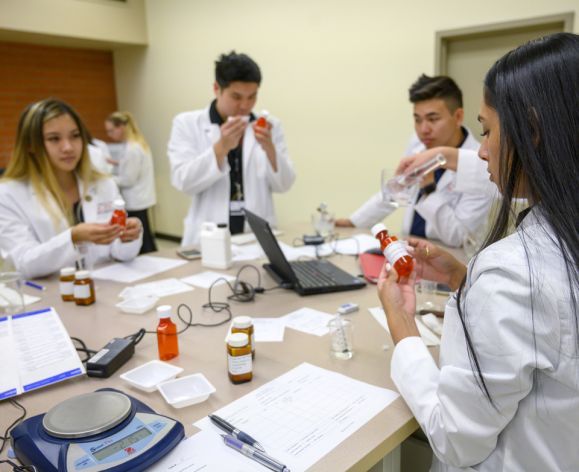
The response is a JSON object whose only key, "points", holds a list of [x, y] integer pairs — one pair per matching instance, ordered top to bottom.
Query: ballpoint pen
{"points": [[34, 285], [236, 433], [254, 454]]}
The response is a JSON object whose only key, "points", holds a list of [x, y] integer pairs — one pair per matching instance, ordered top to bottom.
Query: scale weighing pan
{"points": [[98, 431]]}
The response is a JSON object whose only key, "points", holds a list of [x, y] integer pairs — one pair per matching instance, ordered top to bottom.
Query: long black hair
{"points": [[535, 91]]}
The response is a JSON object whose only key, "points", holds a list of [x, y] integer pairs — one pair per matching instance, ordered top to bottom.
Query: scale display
{"points": [[106, 430]]}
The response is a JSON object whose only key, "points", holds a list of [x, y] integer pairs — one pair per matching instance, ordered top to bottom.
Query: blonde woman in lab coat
{"points": [[52, 200], [505, 396]]}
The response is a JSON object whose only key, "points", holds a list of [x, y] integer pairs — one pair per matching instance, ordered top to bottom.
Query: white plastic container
{"points": [[215, 246], [148, 376], [186, 391]]}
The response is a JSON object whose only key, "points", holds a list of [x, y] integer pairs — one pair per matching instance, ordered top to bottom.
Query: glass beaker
{"points": [[395, 191], [323, 223], [11, 299], [341, 338]]}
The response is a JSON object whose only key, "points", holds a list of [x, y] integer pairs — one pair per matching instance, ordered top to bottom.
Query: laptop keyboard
{"points": [[310, 276]]}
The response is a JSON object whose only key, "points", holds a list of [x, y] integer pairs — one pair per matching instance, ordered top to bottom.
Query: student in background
{"points": [[100, 155], [222, 159], [134, 175], [52, 199], [439, 211], [509, 354]]}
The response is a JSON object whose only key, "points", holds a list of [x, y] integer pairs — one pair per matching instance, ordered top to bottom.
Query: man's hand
{"points": [[231, 133], [263, 137], [344, 223]]}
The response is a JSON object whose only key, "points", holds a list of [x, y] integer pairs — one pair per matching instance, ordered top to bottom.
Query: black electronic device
{"points": [[313, 240], [189, 253], [305, 277], [107, 361], [105, 430]]}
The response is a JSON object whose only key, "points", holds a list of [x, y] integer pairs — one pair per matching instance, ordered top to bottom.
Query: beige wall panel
{"points": [[92, 20], [336, 72]]}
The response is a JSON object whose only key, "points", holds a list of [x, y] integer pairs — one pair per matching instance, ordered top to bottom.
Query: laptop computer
{"points": [[305, 277]]}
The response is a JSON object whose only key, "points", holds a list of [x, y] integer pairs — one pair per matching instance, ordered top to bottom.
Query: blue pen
{"points": [[34, 285], [230, 429], [254, 454]]}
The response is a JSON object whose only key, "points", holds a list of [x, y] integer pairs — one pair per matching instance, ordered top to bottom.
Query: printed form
{"points": [[37, 351], [302, 415]]}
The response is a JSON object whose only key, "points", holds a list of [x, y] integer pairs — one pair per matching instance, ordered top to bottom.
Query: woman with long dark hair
{"points": [[506, 393]]}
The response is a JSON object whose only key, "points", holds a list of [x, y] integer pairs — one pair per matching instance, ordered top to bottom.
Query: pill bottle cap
{"points": [[119, 204], [378, 228], [67, 271], [82, 274], [164, 311], [242, 322], [237, 340]]}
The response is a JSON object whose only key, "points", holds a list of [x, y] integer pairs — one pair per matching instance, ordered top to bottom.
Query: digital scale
{"points": [[102, 430]]}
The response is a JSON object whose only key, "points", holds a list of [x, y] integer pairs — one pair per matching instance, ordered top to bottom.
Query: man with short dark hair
{"points": [[223, 159], [438, 211]]}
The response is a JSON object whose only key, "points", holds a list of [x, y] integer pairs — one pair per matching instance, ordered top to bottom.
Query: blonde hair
{"points": [[133, 133], [30, 161]]}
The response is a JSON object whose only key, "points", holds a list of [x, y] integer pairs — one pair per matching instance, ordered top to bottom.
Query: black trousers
{"points": [[148, 239]]}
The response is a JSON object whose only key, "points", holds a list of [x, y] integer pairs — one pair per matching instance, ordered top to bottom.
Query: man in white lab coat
{"points": [[226, 159], [438, 210]]}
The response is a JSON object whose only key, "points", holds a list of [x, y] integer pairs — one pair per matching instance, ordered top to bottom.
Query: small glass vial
{"points": [[262, 120], [119, 213], [394, 251], [67, 284], [83, 288], [244, 324], [167, 340], [239, 363]]}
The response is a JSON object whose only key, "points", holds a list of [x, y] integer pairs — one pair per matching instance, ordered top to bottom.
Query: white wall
{"points": [[78, 21]]}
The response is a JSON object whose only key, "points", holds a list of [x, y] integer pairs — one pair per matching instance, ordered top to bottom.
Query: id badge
{"points": [[236, 207]]}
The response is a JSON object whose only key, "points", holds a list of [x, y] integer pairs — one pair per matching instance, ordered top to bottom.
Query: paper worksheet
{"points": [[354, 245], [249, 252], [137, 269], [207, 278], [158, 288], [9, 296], [308, 320], [265, 330], [429, 338], [36, 351], [303, 414], [205, 452]]}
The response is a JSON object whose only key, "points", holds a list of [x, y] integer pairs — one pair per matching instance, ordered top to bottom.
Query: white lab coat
{"points": [[194, 171], [472, 175], [135, 178], [450, 215], [36, 247], [532, 378]]}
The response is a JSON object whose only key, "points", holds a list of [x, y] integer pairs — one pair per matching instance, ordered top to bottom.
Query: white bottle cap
{"points": [[264, 113], [119, 204], [377, 228], [67, 271], [82, 274], [164, 311], [242, 322], [237, 340]]}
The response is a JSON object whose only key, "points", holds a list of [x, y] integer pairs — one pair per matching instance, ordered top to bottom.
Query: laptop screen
{"points": [[268, 243]]}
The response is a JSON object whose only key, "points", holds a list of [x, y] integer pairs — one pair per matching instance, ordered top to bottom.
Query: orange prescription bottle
{"points": [[262, 120], [119, 213], [394, 251], [66, 284], [83, 288], [244, 324], [167, 341], [239, 363]]}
